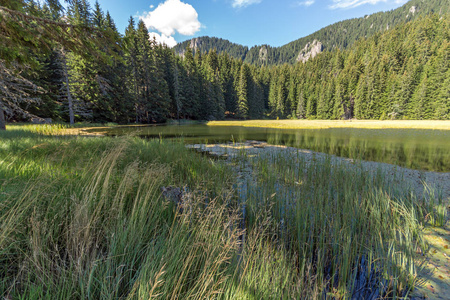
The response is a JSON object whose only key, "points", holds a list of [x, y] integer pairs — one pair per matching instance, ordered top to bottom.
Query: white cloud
{"points": [[244, 3], [306, 3], [355, 3], [173, 16], [163, 39]]}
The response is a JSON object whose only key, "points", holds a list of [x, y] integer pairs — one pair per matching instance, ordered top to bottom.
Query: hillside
{"points": [[339, 35], [205, 43], [401, 73]]}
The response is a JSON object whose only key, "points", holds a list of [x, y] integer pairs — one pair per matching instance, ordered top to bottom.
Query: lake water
{"points": [[427, 150]]}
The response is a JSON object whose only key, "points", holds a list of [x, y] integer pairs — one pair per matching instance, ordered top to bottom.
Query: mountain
{"points": [[339, 35], [205, 43]]}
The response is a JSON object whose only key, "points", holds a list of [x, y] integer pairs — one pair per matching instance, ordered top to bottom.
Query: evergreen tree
{"points": [[55, 9], [98, 17], [131, 59], [88, 71], [191, 85], [243, 92], [292, 95], [361, 99], [419, 102], [301, 106], [442, 109]]}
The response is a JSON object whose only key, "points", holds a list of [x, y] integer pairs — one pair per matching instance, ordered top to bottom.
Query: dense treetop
{"points": [[339, 35], [82, 69]]}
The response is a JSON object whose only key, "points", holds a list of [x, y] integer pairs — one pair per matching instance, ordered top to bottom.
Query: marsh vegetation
{"points": [[412, 144], [84, 218]]}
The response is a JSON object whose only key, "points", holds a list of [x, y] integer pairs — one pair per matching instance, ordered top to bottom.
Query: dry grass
{"points": [[323, 124], [58, 129], [95, 130], [84, 218]]}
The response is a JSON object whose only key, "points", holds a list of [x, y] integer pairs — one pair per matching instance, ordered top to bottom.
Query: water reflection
{"points": [[427, 150]]}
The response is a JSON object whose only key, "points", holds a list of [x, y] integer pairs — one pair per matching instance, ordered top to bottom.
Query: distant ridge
{"points": [[338, 35], [206, 43]]}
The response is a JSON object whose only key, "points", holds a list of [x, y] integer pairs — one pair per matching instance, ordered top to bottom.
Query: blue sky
{"points": [[246, 22]]}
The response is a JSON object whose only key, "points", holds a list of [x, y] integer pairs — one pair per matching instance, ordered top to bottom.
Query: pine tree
{"points": [[55, 9], [98, 17], [109, 21], [131, 60], [226, 81], [191, 85], [243, 92], [159, 93], [282, 93], [273, 94], [292, 95], [361, 99], [339, 102], [419, 102], [178, 103], [301, 106], [322, 109], [442, 110]]}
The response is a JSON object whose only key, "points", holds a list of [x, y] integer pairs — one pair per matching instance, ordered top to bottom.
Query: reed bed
{"points": [[85, 218], [352, 234]]}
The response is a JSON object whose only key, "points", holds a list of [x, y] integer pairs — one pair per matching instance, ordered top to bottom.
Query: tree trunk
{"points": [[68, 94], [2, 118]]}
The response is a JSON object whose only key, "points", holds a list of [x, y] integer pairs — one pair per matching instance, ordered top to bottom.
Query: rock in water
{"points": [[172, 194]]}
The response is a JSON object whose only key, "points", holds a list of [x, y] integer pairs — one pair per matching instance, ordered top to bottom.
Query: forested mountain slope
{"points": [[339, 35], [206, 43], [82, 69], [402, 73]]}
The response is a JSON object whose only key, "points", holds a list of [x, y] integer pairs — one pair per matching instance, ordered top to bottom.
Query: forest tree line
{"points": [[340, 35], [96, 74]]}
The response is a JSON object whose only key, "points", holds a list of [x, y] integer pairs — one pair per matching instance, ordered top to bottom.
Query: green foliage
{"points": [[341, 35], [206, 44], [87, 71], [370, 80], [100, 226]]}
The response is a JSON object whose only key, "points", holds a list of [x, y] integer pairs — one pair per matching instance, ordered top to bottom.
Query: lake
{"points": [[427, 150]]}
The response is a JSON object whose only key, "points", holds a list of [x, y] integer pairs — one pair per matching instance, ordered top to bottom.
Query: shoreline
{"points": [[327, 124], [412, 178], [437, 259]]}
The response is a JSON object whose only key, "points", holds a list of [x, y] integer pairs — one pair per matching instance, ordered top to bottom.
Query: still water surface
{"points": [[427, 150]]}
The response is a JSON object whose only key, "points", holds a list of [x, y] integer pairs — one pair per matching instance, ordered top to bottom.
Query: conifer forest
{"points": [[73, 65], [319, 169]]}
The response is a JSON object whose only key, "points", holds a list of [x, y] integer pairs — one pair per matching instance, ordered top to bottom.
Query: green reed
{"points": [[84, 218]]}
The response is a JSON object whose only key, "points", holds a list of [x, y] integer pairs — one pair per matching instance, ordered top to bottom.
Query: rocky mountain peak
{"points": [[195, 44], [310, 51], [263, 53]]}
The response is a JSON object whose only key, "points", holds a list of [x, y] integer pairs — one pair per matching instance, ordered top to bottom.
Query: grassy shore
{"points": [[322, 124], [85, 218]]}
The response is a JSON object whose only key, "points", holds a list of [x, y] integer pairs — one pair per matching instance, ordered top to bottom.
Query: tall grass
{"points": [[41, 129], [84, 218], [352, 233]]}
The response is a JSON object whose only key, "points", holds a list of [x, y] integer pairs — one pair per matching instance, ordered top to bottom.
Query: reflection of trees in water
{"points": [[415, 149], [407, 153]]}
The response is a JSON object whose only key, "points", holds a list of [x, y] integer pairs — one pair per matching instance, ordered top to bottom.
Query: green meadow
{"points": [[86, 218]]}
